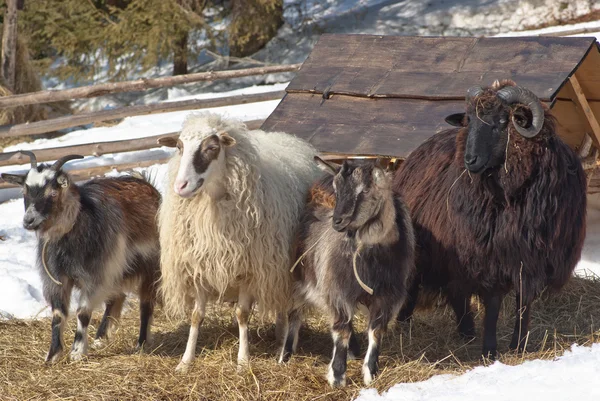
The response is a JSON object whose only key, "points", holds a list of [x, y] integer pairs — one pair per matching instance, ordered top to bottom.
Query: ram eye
{"points": [[503, 121], [211, 148], [54, 193]]}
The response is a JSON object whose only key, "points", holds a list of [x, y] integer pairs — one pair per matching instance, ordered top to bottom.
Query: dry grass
{"points": [[411, 352]]}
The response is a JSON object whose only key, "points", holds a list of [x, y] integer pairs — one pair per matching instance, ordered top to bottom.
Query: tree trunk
{"points": [[253, 24], [9, 44], [180, 65]]}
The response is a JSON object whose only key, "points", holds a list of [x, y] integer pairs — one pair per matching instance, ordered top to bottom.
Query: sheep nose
{"points": [[470, 160], [180, 186], [337, 220]]}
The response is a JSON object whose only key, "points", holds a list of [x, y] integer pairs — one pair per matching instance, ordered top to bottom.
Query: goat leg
{"points": [[59, 299], [112, 314], [341, 331], [290, 340]]}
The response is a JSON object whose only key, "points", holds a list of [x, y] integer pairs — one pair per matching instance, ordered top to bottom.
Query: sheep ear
{"points": [[455, 119], [226, 140], [169, 141], [326, 167], [14, 179]]}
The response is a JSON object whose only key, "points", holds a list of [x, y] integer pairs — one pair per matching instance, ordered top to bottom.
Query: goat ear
{"points": [[455, 119], [226, 140], [169, 141], [326, 167], [378, 175], [14, 179], [63, 181]]}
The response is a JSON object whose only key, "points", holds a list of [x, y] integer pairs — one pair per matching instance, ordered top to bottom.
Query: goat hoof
{"points": [[99, 343], [77, 356], [52, 359], [183, 367], [367, 375], [336, 382]]}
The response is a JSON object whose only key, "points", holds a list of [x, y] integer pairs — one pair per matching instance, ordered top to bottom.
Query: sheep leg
{"points": [[60, 299], [147, 299], [492, 305], [408, 309], [242, 313], [523, 313], [84, 314], [112, 314], [464, 316], [379, 318], [341, 331], [290, 340], [190, 348]]}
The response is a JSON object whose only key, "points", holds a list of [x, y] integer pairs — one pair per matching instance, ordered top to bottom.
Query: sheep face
{"points": [[491, 115], [202, 162], [46, 192], [358, 193]]}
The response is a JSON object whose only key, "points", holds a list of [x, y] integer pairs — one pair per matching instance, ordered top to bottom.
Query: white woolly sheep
{"points": [[227, 224]]}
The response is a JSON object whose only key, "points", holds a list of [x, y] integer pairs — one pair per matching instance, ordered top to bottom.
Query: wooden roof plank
{"points": [[436, 67]]}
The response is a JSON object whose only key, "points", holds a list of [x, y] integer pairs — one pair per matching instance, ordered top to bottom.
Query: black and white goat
{"points": [[100, 237], [355, 246]]}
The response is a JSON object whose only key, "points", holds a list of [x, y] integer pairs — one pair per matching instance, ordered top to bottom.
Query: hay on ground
{"points": [[411, 352]]}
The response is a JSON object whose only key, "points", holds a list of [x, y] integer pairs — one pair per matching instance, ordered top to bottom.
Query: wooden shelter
{"points": [[371, 95]]}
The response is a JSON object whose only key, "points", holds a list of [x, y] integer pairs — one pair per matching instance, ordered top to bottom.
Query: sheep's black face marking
{"points": [[487, 135], [199, 160], [356, 202]]}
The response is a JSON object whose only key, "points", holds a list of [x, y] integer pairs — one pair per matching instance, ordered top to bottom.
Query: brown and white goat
{"points": [[100, 237], [356, 246]]}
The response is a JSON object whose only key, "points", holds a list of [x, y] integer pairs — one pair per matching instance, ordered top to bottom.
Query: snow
{"points": [[572, 376]]}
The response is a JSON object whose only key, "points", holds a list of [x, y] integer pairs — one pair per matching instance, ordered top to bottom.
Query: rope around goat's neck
{"points": [[45, 266], [362, 284], [365, 287]]}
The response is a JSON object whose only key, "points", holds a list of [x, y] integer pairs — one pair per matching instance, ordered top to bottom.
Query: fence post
{"points": [[9, 44]]}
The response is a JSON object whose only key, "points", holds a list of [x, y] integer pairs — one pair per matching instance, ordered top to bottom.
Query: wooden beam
{"points": [[9, 44], [137, 85], [582, 102], [59, 123], [95, 149], [90, 172]]}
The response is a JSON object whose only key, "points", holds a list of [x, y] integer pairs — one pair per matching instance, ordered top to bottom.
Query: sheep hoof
{"points": [[242, 366], [183, 367]]}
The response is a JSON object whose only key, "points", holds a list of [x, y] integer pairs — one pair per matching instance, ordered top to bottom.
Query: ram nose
{"points": [[474, 163]]}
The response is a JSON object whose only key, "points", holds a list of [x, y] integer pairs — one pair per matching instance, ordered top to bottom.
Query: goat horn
{"points": [[474, 91], [517, 94], [32, 157], [59, 163]]}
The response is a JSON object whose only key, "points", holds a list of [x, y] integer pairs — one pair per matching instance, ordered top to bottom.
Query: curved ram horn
{"points": [[474, 91], [517, 94], [31, 155], [59, 163]]}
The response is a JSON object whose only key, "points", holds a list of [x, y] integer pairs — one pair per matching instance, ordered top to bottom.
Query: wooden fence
{"points": [[128, 145]]}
